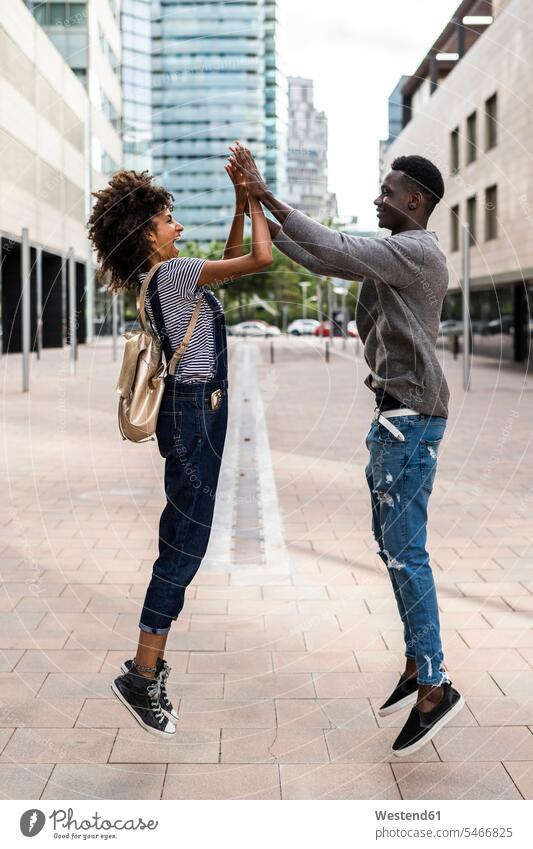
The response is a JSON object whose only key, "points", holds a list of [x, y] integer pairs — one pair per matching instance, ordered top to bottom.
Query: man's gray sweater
{"points": [[405, 279]]}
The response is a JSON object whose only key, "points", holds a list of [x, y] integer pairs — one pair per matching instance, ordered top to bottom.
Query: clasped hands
{"points": [[245, 176]]}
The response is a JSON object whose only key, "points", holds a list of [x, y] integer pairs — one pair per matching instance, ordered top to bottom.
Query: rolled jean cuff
{"points": [[153, 630]]}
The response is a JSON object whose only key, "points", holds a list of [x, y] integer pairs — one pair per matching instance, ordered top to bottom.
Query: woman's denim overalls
{"points": [[190, 436]]}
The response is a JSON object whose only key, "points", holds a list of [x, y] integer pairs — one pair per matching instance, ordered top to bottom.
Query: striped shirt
{"points": [[178, 290]]}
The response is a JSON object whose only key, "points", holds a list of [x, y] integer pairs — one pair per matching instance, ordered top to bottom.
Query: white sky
{"points": [[355, 51]]}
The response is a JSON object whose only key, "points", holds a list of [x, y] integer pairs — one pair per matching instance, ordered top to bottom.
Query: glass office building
{"points": [[136, 27], [210, 87]]}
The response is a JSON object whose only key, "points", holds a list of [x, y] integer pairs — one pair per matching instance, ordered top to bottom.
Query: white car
{"points": [[302, 326], [253, 328]]}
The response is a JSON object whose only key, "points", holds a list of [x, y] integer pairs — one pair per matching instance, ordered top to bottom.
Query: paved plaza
{"points": [[290, 637]]}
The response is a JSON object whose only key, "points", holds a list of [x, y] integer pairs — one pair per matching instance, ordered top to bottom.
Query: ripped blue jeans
{"points": [[400, 477]]}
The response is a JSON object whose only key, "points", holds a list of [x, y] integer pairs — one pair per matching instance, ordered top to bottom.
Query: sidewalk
{"points": [[289, 637]]}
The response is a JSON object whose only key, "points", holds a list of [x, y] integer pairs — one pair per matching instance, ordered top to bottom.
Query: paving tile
{"points": [[499, 638], [335, 640], [265, 641], [9, 659], [60, 661], [316, 661], [237, 662], [75, 685], [341, 685], [519, 685], [15, 686], [274, 686], [502, 710], [28, 711], [105, 713], [224, 713], [301, 713], [484, 744], [58, 745], [134, 745], [281, 745], [366, 746], [522, 775], [23, 781], [106, 781], [222, 781], [338, 781], [454, 781]]}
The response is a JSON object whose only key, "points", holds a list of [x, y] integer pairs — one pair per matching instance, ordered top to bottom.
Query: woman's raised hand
{"points": [[239, 183]]}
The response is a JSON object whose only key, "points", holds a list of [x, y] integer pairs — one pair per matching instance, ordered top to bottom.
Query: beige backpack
{"points": [[141, 382]]}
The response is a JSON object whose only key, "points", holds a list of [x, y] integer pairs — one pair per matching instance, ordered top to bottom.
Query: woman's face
{"points": [[165, 231]]}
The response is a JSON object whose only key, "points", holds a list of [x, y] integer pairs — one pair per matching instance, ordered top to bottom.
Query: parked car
{"points": [[504, 324], [303, 326], [450, 327], [253, 328], [323, 329], [352, 329]]}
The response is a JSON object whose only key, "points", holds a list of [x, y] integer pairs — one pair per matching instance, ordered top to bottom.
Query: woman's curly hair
{"points": [[119, 223]]}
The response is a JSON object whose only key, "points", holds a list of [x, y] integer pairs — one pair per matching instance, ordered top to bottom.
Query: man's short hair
{"points": [[424, 174]]}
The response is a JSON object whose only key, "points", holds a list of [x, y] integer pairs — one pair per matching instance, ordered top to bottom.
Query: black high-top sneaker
{"points": [[163, 671], [141, 697]]}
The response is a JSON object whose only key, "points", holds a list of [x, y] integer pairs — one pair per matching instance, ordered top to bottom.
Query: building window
{"points": [[491, 122], [471, 137], [454, 151], [491, 213], [471, 216], [454, 228]]}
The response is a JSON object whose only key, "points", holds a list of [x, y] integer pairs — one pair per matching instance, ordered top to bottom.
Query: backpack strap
{"points": [[142, 295]]}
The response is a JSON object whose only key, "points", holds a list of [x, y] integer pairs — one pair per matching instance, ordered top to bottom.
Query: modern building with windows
{"points": [[136, 28], [88, 37], [215, 79], [470, 117], [395, 122], [43, 131], [307, 163]]}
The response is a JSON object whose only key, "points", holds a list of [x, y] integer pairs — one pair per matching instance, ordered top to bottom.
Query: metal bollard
{"points": [[455, 345], [327, 350], [271, 352]]}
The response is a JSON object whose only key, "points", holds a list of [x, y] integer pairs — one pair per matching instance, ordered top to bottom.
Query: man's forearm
{"points": [[278, 208]]}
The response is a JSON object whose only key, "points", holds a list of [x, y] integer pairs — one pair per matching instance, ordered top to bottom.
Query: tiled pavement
{"points": [[290, 637]]}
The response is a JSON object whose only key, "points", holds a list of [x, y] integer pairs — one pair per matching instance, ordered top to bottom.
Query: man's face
{"points": [[396, 204]]}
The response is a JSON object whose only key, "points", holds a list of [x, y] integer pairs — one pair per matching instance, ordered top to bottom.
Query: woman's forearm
{"points": [[278, 208], [234, 243], [261, 246]]}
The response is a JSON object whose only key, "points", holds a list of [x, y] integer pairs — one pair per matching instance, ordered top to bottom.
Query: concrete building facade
{"points": [[466, 108], [43, 131]]}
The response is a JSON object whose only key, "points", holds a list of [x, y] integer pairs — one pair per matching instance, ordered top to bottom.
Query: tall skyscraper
{"points": [[136, 28], [215, 79], [276, 100], [307, 165]]}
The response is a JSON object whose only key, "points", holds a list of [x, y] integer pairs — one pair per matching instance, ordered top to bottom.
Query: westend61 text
{"points": [[407, 815]]}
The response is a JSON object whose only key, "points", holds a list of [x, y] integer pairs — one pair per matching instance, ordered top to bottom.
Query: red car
{"points": [[323, 329]]}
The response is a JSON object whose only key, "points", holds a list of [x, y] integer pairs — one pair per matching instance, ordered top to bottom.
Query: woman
{"points": [[132, 229]]}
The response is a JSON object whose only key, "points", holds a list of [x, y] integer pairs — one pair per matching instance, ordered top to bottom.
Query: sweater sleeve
{"points": [[394, 260], [312, 263]]}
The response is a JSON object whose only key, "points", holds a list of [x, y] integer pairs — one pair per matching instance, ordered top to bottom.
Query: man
{"points": [[404, 283]]}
